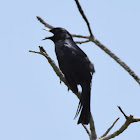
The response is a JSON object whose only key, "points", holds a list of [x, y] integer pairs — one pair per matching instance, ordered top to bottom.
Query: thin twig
{"points": [[84, 16], [43, 22], [80, 36], [81, 42], [117, 59], [54, 66], [123, 112], [133, 119], [86, 129], [108, 130]]}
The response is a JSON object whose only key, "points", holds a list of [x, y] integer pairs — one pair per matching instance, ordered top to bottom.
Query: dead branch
{"points": [[84, 16], [45, 24], [80, 36], [81, 42], [117, 59], [54, 66], [129, 120], [86, 129], [108, 130], [93, 135]]}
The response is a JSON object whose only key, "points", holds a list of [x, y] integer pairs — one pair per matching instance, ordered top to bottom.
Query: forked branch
{"points": [[84, 16], [129, 120], [109, 129]]}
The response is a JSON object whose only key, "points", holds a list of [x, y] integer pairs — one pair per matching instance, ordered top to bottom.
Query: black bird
{"points": [[76, 67]]}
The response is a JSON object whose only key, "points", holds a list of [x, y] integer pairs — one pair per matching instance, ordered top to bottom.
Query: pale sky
{"points": [[33, 103]]}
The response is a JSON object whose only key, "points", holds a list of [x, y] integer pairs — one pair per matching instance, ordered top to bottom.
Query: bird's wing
{"points": [[76, 51]]}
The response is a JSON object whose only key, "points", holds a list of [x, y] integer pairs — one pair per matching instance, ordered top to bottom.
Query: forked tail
{"points": [[84, 105]]}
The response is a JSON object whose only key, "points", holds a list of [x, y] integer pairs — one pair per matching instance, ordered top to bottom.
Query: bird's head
{"points": [[59, 34]]}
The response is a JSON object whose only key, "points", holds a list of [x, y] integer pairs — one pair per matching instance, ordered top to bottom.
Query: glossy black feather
{"points": [[76, 67]]}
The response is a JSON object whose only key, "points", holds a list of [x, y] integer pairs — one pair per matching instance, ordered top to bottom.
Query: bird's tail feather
{"points": [[84, 105], [78, 109]]}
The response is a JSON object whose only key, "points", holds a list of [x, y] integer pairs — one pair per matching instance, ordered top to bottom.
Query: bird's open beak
{"points": [[47, 30], [47, 37]]}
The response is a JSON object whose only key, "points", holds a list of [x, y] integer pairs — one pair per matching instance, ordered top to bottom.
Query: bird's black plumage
{"points": [[76, 67]]}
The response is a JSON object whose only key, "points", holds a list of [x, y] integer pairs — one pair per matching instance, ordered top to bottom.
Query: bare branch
{"points": [[84, 16], [45, 24], [80, 36], [81, 42], [117, 59], [54, 66], [122, 112], [129, 119], [136, 120], [86, 129], [108, 130], [93, 135]]}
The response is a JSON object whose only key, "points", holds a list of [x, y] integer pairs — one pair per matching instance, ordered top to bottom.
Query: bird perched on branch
{"points": [[76, 67]]}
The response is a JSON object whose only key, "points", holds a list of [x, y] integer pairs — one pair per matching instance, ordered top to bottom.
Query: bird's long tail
{"points": [[84, 105]]}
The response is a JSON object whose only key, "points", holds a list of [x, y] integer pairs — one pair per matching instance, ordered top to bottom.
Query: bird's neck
{"points": [[65, 40]]}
